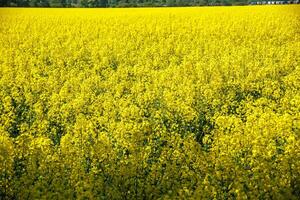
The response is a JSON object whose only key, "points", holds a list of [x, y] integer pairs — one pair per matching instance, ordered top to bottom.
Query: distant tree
{"points": [[170, 2], [181, 2], [3, 3], [44, 3], [55, 3], [84, 3], [103, 3], [111, 3], [117, 3]]}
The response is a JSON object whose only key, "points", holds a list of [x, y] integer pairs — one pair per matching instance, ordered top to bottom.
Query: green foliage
{"points": [[116, 3]]}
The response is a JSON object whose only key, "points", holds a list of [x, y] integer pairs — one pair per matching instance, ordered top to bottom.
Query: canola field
{"points": [[150, 103]]}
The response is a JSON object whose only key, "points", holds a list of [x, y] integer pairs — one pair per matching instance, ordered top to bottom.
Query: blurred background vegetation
{"points": [[117, 3]]}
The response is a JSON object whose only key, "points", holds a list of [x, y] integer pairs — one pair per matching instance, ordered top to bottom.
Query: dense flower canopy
{"points": [[167, 103]]}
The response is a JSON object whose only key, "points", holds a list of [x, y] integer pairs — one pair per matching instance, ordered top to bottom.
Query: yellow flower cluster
{"points": [[166, 103]]}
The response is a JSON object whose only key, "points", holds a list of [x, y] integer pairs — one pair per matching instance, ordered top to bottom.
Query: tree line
{"points": [[116, 3]]}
